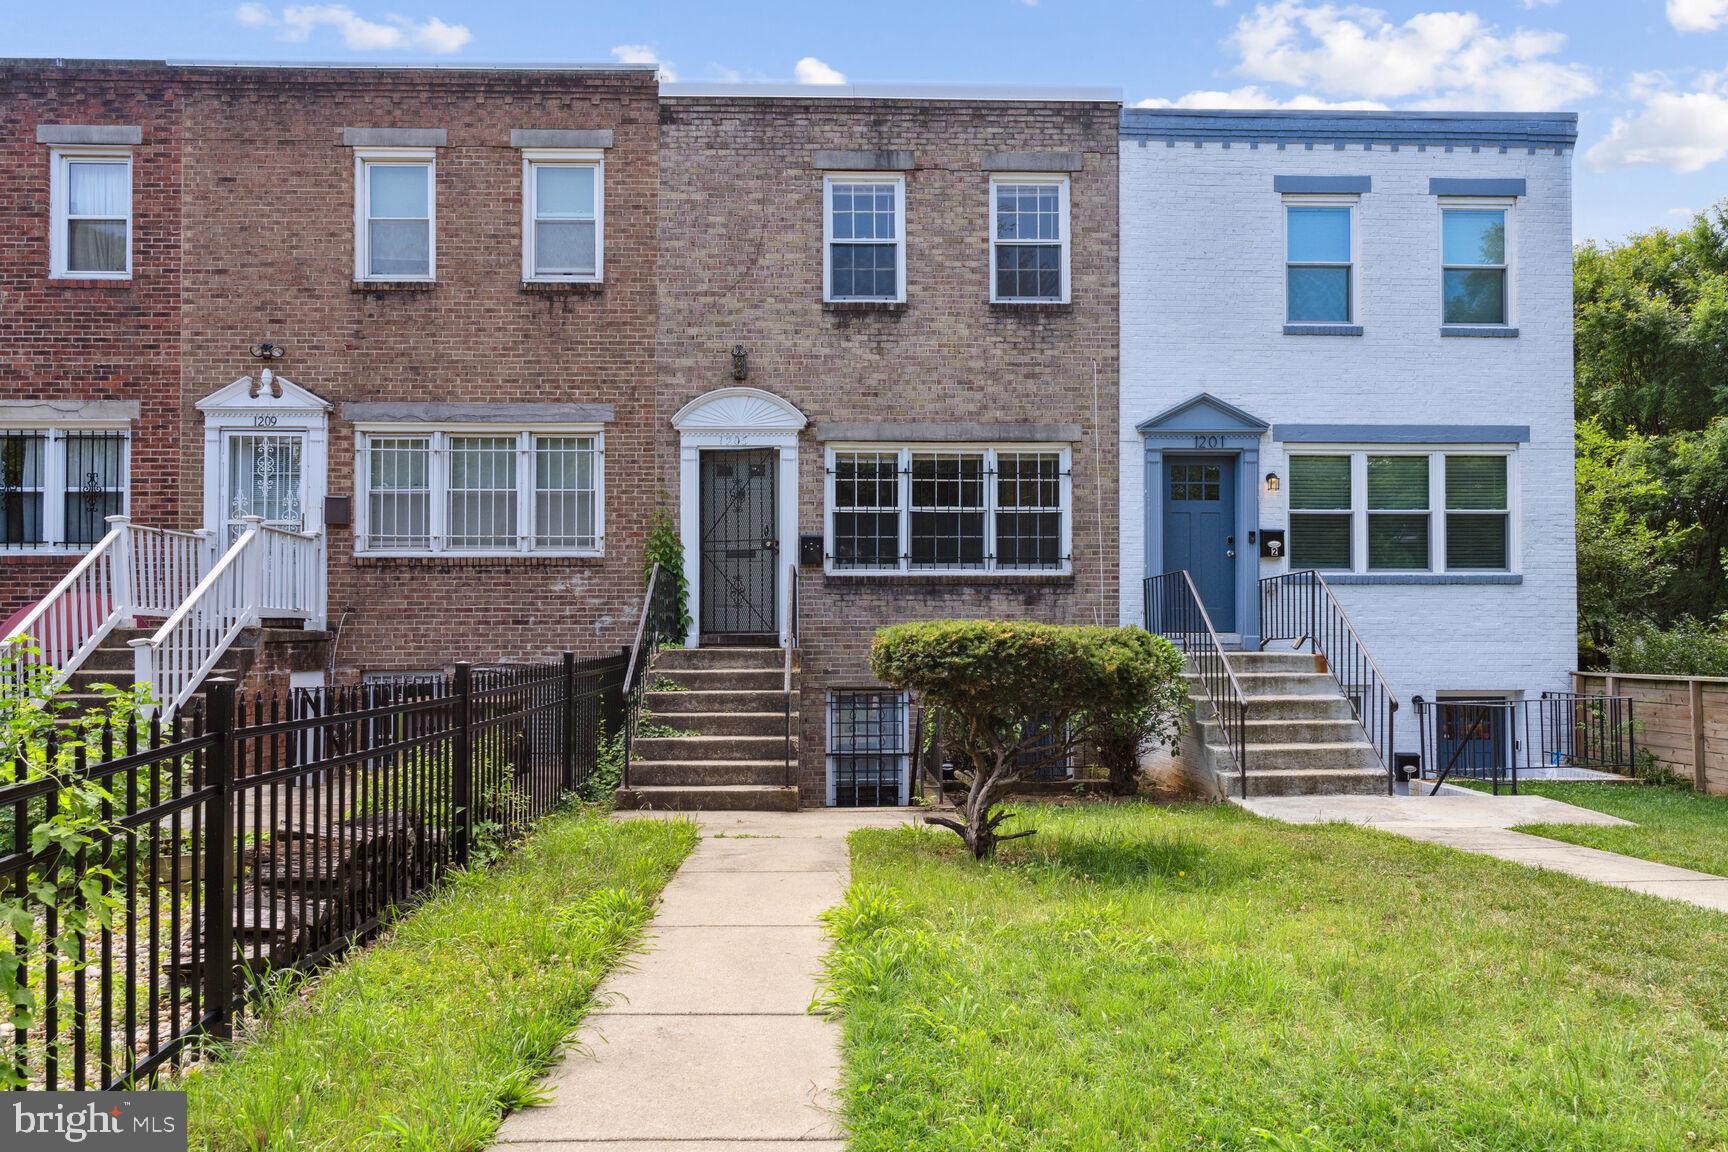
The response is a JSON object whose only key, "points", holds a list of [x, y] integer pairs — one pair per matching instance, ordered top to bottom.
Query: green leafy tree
{"points": [[672, 594], [1019, 696]]}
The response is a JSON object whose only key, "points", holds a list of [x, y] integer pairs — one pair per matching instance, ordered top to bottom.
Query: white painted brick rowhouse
{"points": [[1204, 198]]}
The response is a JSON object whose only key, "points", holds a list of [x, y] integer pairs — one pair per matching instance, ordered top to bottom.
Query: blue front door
{"points": [[1200, 530]]}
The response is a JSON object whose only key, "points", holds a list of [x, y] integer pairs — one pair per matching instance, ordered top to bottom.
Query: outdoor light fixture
{"points": [[268, 351], [740, 363], [1272, 481]]}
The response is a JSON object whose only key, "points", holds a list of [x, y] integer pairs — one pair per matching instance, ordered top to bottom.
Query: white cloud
{"points": [[1540, 3], [1697, 15], [393, 33], [644, 54], [1431, 60], [810, 70], [1253, 96], [1684, 131]]}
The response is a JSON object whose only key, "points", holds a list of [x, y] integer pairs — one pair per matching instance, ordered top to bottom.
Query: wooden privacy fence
{"points": [[1682, 721], [252, 835]]}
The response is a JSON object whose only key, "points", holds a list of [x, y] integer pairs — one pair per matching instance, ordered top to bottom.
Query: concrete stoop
{"points": [[728, 708], [1301, 736]]}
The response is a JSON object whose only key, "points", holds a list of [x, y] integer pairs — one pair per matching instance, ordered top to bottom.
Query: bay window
{"points": [[489, 492], [957, 509], [1403, 510]]}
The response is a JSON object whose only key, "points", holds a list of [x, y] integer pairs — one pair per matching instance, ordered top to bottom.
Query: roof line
{"points": [[1090, 94]]}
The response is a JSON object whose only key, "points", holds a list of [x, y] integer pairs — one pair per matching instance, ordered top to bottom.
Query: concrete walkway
{"points": [[1479, 822], [704, 1041]]}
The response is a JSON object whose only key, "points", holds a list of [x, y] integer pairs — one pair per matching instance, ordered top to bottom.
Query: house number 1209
{"points": [[260, 420], [1208, 441]]}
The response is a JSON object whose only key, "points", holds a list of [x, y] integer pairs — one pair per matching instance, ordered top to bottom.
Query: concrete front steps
{"points": [[112, 663], [728, 707], [1302, 737]]}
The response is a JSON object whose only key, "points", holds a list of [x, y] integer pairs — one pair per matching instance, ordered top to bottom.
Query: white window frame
{"points": [[533, 158], [365, 159], [899, 182], [1062, 183], [1310, 200], [1506, 204], [59, 247], [437, 476], [54, 482], [1437, 511], [989, 569], [828, 753]]}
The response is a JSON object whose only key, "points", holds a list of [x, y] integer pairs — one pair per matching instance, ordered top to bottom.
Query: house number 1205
{"points": [[260, 420], [1208, 441]]}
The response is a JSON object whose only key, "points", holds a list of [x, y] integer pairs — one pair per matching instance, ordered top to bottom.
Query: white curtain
{"points": [[98, 200]]}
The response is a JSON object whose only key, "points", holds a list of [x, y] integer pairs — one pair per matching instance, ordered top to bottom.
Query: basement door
{"points": [[1200, 530], [739, 547]]}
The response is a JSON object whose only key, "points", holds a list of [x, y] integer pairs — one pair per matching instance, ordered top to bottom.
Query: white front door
{"points": [[264, 474]]}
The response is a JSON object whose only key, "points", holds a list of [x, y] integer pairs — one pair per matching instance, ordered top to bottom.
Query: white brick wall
{"points": [[1203, 310]]}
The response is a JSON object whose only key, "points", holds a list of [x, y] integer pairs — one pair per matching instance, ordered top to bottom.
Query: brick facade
{"points": [[741, 250], [90, 339]]}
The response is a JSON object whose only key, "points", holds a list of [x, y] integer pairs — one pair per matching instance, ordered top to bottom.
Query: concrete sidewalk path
{"points": [[1480, 822], [704, 1041]]}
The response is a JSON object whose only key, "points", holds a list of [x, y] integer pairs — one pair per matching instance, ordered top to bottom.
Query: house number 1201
{"points": [[1208, 441]]}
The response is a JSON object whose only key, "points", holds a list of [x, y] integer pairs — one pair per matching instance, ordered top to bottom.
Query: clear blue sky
{"points": [[1649, 77]]}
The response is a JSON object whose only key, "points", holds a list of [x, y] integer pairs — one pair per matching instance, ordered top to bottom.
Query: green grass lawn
{"points": [[1675, 825], [1135, 977], [424, 1039]]}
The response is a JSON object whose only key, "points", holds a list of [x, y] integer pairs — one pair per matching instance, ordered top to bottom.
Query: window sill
{"points": [[76, 281], [394, 285], [563, 287], [863, 305], [1031, 306], [1322, 329], [1480, 331], [465, 560], [1423, 577], [901, 579]]}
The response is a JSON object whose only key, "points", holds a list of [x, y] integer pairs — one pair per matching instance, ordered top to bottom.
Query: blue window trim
{"points": [[1322, 185], [1453, 186]]}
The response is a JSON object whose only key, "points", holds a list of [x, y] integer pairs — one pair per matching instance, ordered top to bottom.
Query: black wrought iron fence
{"points": [[1170, 607], [1556, 736], [271, 832]]}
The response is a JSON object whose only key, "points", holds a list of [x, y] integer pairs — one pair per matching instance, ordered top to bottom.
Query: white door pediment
{"points": [[267, 392], [739, 410]]}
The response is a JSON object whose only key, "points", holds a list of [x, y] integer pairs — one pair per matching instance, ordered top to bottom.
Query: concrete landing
{"points": [[1479, 822], [704, 1041]]}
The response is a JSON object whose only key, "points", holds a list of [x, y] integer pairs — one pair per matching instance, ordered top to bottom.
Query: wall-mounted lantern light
{"points": [[268, 351], [740, 363], [1272, 481]]}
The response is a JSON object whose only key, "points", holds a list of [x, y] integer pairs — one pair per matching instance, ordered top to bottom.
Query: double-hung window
{"points": [[91, 194], [562, 209], [395, 234], [1028, 239], [865, 241], [1319, 261], [1475, 268], [58, 486], [480, 491], [937, 508], [1403, 510]]}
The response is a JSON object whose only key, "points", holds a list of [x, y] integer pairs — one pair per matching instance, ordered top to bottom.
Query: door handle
{"points": [[1229, 553]]}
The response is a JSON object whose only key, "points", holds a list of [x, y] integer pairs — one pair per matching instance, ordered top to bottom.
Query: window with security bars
{"points": [[1029, 240], [865, 246], [58, 486], [481, 493], [927, 509], [1401, 511], [868, 748], [1045, 754]]}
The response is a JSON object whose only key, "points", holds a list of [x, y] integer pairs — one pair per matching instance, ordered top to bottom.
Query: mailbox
{"points": [[1272, 544], [810, 551]]}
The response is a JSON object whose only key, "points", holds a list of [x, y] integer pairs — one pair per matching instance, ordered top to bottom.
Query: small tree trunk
{"points": [[1121, 756]]}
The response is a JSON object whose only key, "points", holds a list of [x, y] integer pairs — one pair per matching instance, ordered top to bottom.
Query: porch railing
{"points": [[132, 571], [266, 572], [1299, 607], [1171, 608], [791, 659], [1556, 736]]}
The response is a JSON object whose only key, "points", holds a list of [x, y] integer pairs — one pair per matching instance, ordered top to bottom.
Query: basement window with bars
{"points": [[58, 486], [484, 492], [941, 509], [1405, 510], [869, 744]]}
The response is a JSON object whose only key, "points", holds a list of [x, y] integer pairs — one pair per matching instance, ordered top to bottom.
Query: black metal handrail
{"points": [[1171, 607], [1299, 607], [657, 623], [791, 654], [1497, 741]]}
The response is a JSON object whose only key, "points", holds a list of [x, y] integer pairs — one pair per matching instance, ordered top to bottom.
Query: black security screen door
{"points": [[739, 547]]}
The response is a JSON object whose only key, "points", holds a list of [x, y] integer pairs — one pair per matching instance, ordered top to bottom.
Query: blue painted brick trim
{"points": [[1322, 184], [1455, 186], [1322, 329], [1480, 331], [1402, 433], [1424, 578]]}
